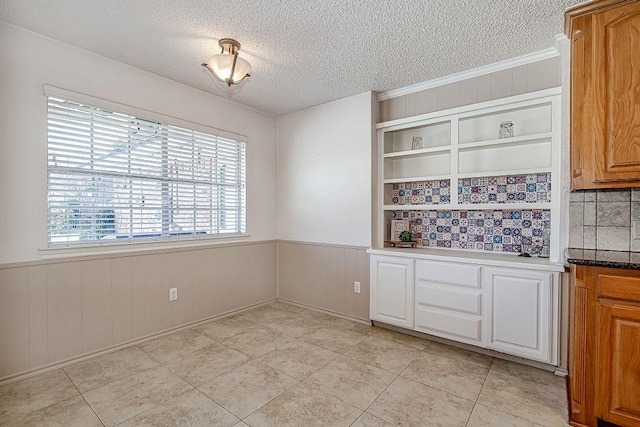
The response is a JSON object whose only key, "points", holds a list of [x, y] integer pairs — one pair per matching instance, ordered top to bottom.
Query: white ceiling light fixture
{"points": [[227, 66]]}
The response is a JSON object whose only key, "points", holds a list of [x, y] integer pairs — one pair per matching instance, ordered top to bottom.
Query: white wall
{"points": [[28, 60], [324, 173]]}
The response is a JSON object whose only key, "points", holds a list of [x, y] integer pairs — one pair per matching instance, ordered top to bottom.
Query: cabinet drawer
{"points": [[447, 272], [619, 287], [449, 297], [439, 323]]}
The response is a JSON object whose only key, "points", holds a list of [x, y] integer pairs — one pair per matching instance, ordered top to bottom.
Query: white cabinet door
{"points": [[392, 290], [521, 311]]}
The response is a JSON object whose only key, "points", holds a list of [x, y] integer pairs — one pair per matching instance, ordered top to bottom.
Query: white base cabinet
{"points": [[392, 290], [449, 300], [520, 306], [512, 310]]}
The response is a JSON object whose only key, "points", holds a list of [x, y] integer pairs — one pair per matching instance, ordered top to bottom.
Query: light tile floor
{"points": [[282, 365]]}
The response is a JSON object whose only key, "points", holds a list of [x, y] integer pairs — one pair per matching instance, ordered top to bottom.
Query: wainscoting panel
{"points": [[322, 276], [56, 310]]}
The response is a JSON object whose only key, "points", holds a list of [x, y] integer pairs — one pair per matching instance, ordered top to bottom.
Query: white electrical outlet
{"points": [[635, 229], [356, 287], [173, 294]]}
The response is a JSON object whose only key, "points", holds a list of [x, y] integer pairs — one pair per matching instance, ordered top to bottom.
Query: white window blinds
{"points": [[114, 176]]}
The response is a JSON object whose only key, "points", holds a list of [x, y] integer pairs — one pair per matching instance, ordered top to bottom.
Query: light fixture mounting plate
{"points": [[229, 45]]}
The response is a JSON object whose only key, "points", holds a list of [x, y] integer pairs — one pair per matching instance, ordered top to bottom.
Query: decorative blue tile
{"points": [[532, 188], [422, 193], [486, 230]]}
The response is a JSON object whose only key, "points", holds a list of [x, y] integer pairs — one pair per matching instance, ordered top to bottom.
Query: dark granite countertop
{"points": [[612, 259]]}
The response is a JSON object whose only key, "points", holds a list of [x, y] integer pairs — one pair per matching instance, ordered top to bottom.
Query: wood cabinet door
{"points": [[616, 76], [581, 104], [392, 290], [521, 311], [618, 362]]}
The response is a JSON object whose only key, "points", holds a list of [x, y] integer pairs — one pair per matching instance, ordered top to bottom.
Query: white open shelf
{"points": [[527, 119], [434, 135], [511, 141], [463, 143], [417, 153], [436, 164], [505, 172], [417, 179], [470, 206], [430, 207]]}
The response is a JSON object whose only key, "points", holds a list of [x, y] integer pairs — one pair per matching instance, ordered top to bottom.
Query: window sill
{"points": [[108, 248]]}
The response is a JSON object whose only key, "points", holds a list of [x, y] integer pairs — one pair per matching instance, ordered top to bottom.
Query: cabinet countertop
{"points": [[482, 258], [611, 259]]}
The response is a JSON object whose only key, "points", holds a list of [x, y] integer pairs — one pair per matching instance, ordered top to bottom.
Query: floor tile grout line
{"points": [[339, 355], [413, 360], [248, 361], [321, 368], [137, 371], [485, 378], [394, 380], [313, 387], [440, 390], [381, 393], [83, 398], [344, 401], [217, 403], [266, 403], [156, 406], [492, 407], [507, 413], [470, 414], [371, 415], [357, 418]]}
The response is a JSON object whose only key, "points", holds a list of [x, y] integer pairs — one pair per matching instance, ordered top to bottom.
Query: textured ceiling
{"points": [[303, 53]]}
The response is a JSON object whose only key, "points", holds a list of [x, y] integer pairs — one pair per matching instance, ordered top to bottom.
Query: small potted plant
{"points": [[405, 240]]}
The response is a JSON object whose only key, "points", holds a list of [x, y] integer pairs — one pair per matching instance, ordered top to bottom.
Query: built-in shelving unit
{"points": [[463, 143]]}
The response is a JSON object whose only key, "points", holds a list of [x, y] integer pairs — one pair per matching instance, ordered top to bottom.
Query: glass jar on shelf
{"points": [[506, 130]]}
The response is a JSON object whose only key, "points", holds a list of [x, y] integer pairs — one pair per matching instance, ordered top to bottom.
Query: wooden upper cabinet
{"points": [[605, 94], [581, 98]]}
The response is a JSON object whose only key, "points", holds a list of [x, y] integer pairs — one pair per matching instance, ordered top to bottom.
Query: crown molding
{"points": [[475, 72]]}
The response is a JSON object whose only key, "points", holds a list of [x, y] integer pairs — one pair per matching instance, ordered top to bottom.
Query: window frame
{"points": [[56, 249]]}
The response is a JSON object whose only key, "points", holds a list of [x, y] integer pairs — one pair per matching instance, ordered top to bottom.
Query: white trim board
{"points": [[529, 58], [437, 116]]}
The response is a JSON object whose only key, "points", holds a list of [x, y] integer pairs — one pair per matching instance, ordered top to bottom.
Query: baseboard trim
{"points": [[325, 311], [469, 347], [86, 356], [561, 372]]}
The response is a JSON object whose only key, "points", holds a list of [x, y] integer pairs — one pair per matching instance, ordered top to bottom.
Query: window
{"points": [[114, 176]]}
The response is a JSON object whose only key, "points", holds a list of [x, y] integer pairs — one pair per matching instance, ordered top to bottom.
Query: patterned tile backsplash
{"points": [[532, 188], [421, 193], [487, 230]]}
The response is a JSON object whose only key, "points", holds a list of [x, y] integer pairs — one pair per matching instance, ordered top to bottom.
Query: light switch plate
{"points": [[173, 294]]}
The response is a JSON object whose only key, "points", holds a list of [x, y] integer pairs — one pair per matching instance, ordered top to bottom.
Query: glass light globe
{"points": [[221, 65]]}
